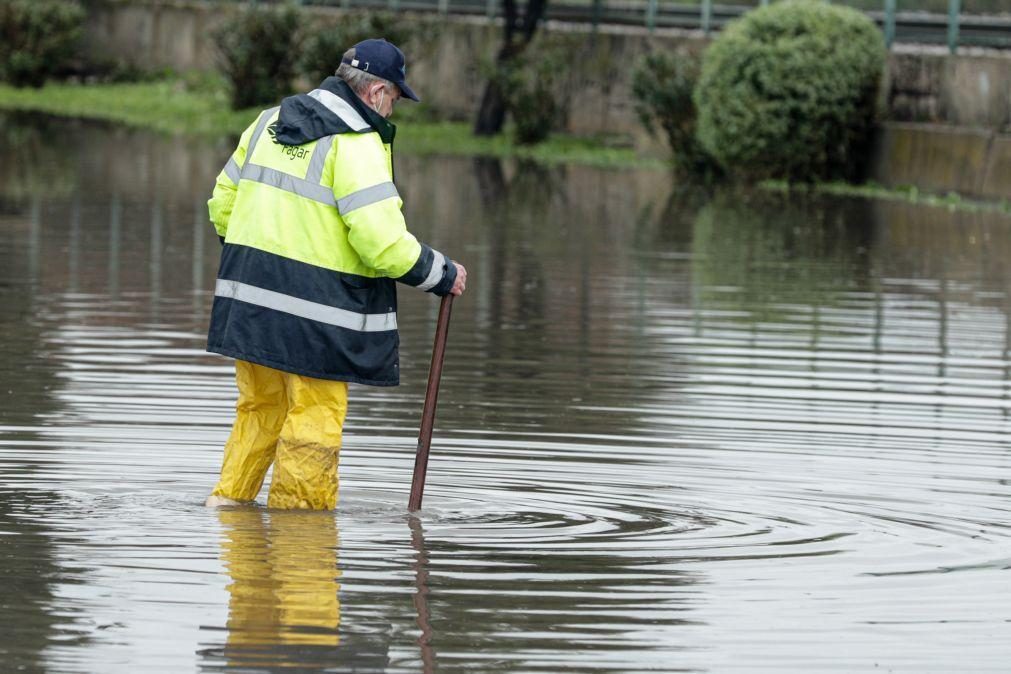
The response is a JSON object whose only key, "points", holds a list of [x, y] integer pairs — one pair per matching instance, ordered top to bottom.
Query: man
{"points": [[305, 301]]}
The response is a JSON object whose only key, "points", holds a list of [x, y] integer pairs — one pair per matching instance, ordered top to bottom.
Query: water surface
{"points": [[677, 432]]}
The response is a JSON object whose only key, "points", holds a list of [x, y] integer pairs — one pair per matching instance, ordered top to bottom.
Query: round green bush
{"points": [[38, 38], [789, 91]]}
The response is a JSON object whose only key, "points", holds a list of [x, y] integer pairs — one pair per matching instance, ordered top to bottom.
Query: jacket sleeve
{"points": [[225, 187], [370, 206]]}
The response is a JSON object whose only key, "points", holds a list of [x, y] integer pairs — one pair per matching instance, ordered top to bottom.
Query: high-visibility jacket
{"points": [[313, 241]]}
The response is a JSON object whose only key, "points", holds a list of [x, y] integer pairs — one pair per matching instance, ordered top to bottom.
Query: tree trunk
{"points": [[491, 114]]}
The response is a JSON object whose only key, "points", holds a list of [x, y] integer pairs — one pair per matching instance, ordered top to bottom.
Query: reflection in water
{"points": [[758, 253], [516, 303], [679, 431], [30, 564], [421, 595], [283, 606], [32, 615]]}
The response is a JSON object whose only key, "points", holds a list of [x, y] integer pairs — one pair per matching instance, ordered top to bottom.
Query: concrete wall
{"points": [[152, 34], [930, 85], [943, 158]]}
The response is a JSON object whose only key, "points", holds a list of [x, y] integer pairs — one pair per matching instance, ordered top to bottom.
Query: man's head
{"points": [[376, 71]]}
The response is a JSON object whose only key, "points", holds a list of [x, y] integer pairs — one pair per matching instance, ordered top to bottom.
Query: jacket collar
{"points": [[305, 118]]}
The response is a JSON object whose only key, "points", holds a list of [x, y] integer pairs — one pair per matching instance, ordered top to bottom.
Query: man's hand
{"points": [[461, 280]]}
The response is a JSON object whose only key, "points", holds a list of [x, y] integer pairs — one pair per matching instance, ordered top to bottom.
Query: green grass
{"points": [[169, 106], [199, 106], [455, 138], [908, 193]]}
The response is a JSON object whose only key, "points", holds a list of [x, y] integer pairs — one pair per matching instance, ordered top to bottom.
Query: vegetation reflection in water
{"points": [[677, 431]]}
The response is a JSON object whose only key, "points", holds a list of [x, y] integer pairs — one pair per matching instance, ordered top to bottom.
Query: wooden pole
{"points": [[431, 397]]}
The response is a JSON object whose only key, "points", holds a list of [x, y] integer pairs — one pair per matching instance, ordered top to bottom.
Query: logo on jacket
{"points": [[295, 151]]}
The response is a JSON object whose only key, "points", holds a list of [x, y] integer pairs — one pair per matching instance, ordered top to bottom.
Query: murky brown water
{"points": [[676, 433]]}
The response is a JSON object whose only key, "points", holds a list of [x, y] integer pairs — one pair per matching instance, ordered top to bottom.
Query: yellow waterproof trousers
{"points": [[292, 421]]}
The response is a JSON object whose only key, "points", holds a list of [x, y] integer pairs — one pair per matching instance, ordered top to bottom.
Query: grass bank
{"points": [[197, 106], [909, 194]]}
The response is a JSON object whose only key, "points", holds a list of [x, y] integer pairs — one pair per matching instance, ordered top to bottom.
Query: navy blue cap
{"points": [[382, 59]]}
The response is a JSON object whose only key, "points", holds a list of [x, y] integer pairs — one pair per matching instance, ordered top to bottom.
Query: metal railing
{"points": [[983, 23]]}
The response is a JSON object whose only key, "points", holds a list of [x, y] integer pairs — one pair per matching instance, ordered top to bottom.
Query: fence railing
{"points": [[981, 23]]}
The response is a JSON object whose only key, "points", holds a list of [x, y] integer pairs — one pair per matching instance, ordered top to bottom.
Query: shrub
{"points": [[38, 38], [323, 49], [258, 50], [529, 84], [662, 85], [789, 91], [531, 100]]}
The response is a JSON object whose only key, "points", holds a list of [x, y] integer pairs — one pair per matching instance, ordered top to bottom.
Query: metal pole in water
{"points": [[651, 15], [707, 16], [431, 398]]}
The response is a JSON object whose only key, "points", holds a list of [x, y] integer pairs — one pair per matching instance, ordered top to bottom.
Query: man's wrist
{"points": [[444, 286]]}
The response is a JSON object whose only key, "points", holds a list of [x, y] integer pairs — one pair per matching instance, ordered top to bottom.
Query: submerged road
{"points": [[677, 431]]}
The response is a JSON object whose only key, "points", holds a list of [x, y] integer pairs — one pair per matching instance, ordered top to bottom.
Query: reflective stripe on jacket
{"points": [[313, 241]]}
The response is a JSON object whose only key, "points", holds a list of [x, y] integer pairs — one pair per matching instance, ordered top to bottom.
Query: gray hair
{"points": [[359, 80]]}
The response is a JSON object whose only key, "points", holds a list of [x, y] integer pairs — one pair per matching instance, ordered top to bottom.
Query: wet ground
{"points": [[677, 432]]}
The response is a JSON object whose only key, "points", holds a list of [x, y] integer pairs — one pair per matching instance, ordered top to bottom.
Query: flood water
{"points": [[677, 432]]}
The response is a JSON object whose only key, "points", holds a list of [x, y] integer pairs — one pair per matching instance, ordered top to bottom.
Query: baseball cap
{"points": [[382, 59]]}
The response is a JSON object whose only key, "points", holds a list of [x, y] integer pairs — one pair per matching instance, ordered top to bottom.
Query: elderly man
{"points": [[305, 301]]}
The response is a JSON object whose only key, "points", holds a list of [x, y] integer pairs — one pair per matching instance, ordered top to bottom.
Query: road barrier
{"points": [[978, 23]]}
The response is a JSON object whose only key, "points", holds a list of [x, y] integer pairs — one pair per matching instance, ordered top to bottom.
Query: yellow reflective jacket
{"points": [[314, 239]]}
